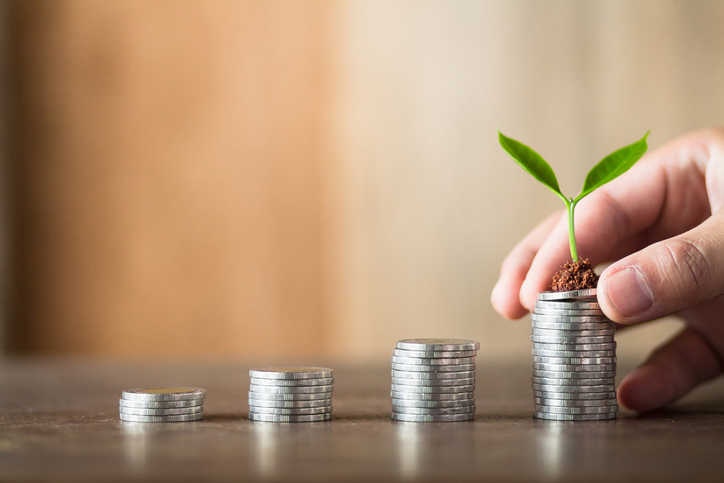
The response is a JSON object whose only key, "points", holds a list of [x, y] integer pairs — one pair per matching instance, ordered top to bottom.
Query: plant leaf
{"points": [[532, 162], [613, 166]]}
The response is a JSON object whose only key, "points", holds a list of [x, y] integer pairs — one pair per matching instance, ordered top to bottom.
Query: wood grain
{"points": [[168, 177], [59, 422]]}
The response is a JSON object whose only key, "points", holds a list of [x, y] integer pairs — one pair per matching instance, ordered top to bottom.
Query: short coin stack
{"points": [[574, 358], [433, 380], [291, 394], [162, 405]]}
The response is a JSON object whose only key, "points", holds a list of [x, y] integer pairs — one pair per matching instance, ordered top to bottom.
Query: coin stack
{"points": [[574, 358], [433, 380], [291, 394], [162, 405]]}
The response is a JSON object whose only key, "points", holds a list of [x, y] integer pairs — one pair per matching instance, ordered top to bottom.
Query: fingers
{"points": [[715, 170], [662, 196], [666, 277], [506, 293], [671, 371]]}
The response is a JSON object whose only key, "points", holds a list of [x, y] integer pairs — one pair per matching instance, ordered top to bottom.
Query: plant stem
{"points": [[571, 205]]}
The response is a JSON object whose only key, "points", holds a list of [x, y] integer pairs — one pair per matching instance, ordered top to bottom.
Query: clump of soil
{"points": [[575, 276]]}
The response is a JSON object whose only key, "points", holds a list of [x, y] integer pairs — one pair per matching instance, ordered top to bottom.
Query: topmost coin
{"points": [[573, 294], [567, 305], [438, 344], [291, 373], [164, 394]]}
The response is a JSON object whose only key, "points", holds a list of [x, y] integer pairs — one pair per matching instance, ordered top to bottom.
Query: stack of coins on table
{"points": [[574, 358], [433, 380], [291, 394], [162, 405]]}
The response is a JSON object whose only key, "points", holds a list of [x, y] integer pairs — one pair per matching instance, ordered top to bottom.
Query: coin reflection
{"points": [[550, 442], [135, 444], [264, 448], [409, 448], [283, 450]]}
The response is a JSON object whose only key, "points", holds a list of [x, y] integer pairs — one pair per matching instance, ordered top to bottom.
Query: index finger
{"points": [[506, 294]]}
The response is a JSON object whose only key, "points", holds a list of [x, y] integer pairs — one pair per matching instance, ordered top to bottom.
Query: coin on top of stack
{"points": [[574, 358], [433, 380], [291, 394], [162, 405]]}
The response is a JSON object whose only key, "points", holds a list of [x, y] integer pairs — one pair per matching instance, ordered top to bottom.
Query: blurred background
{"points": [[218, 179]]}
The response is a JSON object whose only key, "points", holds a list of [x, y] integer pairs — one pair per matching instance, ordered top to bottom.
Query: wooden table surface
{"points": [[59, 421]]}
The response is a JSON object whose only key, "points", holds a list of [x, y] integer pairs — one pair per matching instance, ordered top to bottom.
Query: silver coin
{"points": [[571, 294], [567, 305], [540, 311], [570, 319], [571, 322], [574, 325], [573, 333], [571, 339], [427, 345], [575, 347], [434, 354], [574, 354], [575, 360], [432, 362], [543, 366], [418, 368], [291, 373], [574, 375], [433, 376], [570, 378], [327, 381], [560, 381], [434, 382], [557, 388], [291, 389], [432, 389], [164, 394], [575, 396], [288, 397], [431, 397], [575, 402], [314, 403], [416, 403], [161, 404], [412, 410], [567, 410], [290, 411], [160, 412], [574, 417], [179, 418], [290, 418], [432, 418]]}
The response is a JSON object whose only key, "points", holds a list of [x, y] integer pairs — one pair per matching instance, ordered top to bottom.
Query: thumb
{"points": [[667, 276]]}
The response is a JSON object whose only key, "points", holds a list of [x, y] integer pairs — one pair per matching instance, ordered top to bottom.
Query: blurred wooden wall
{"points": [[167, 176], [307, 177]]}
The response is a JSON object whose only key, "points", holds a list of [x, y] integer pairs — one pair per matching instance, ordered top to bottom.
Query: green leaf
{"points": [[532, 162], [613, 166]]}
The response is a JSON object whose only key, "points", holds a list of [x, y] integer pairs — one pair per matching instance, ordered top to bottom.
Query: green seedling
{"points": [[608, 169]]}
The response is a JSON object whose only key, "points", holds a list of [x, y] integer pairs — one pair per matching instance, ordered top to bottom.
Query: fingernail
{"points": [[628, 293]]}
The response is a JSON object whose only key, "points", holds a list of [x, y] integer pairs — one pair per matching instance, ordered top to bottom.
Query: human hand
{"points": [[664, 223]]}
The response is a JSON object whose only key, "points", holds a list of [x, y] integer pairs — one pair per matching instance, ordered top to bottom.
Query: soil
{"points": [[575, 276]]}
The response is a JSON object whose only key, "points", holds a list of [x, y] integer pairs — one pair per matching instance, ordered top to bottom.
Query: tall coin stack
{"points": [[574, 358], [433, 380], [291, 394], [162, 405]]}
